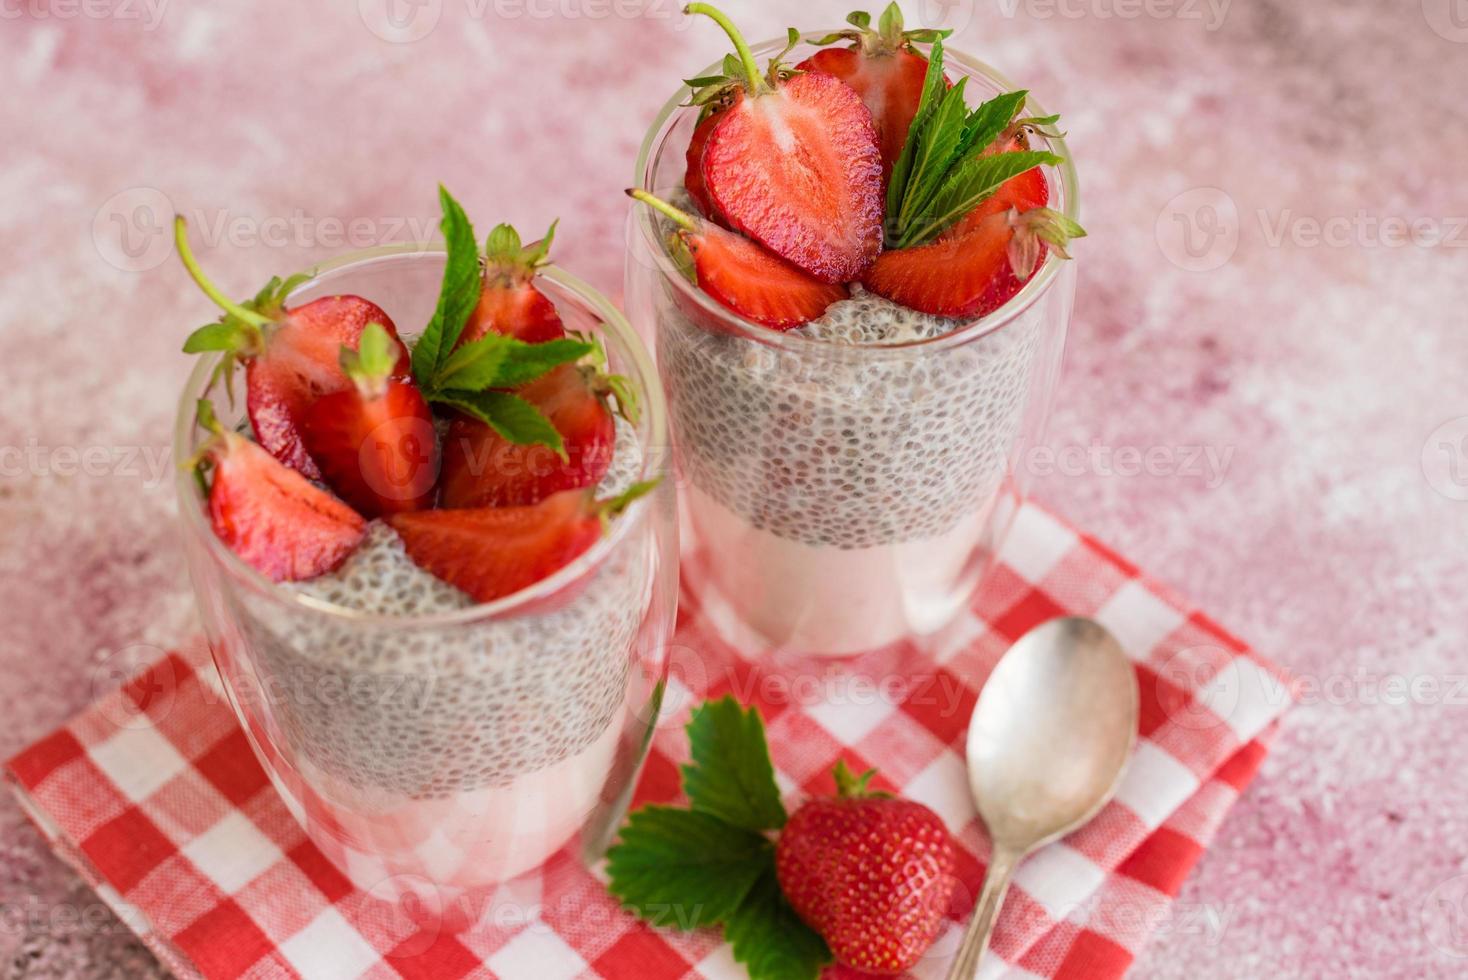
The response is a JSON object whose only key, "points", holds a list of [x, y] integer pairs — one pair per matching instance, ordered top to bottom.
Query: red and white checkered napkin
{"points": [[154, 796]]}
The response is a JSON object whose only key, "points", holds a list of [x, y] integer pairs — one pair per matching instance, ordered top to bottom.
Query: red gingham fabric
{"points": [[153, 795]]}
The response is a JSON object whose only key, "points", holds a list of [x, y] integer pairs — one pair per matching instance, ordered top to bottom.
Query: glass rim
{"points": [[793, 342], [654, 410]]}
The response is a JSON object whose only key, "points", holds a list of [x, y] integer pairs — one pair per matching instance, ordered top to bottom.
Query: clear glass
{"points": [[845, 497], [431, 756]]}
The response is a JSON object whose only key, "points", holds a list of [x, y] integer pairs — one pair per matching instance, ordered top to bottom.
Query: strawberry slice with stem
{"points": [[884, 68], [793, 162], [743, 276], [509, 303], [290, 354], [374, 442], [281, 524], [492, 552]]}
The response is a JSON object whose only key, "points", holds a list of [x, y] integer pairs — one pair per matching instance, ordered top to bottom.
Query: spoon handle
{"points": [[986, 911]]}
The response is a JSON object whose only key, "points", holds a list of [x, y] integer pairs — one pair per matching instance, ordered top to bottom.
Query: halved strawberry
{"points": [[885, 70], [793, 162], [976, 272], [745, 277], [510, 304], [291, 354], [300, 363], [374, 442], [481, 468], [280, 523], [493, 552]]}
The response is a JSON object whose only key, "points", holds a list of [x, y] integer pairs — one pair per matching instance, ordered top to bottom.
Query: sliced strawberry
{"points": [[890, 83], [793, 162], [693, 180], [974, 273], [747, 278], [510, 304], [300, 362], [374, 442], [483, 469], [281, 524], [492, 552]]}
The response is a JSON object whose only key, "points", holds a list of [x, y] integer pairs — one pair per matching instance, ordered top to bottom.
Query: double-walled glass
{"points": [[844, 497], [433, 755]]}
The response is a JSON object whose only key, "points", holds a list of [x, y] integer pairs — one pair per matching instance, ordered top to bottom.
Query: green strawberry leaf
{"points": [[934, 87], [986, 122], [936, 150], [940, 176], [967, 186], [459, 294], [226, 334], [496, 361], [524, 362], [476, 365], [625, 392], [515, 419], [731, 776], [715, 863], [683, 869], [770, 939]]}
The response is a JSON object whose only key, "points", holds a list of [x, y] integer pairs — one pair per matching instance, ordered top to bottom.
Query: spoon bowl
{"points": [[1052, 732], [1048, 744]]}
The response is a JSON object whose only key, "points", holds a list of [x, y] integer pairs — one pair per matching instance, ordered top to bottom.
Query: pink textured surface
{"points": [[1321, 370]]}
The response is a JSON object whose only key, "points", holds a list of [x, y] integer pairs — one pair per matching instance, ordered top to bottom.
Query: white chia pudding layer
{"points": [[847, 448], [433, 712]]}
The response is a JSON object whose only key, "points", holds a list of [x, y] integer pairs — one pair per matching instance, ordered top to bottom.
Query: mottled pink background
{"points": [[1323, 369]]}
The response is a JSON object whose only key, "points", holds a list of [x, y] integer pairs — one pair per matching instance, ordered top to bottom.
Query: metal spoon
{"points": [[1050, 737]]}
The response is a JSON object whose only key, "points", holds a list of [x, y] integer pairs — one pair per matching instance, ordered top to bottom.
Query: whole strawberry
{"points": [[871, 873]]}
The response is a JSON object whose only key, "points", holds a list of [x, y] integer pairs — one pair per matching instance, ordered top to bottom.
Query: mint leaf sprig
{"points": [[940, 175], [472, 378], [714, 862]]}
